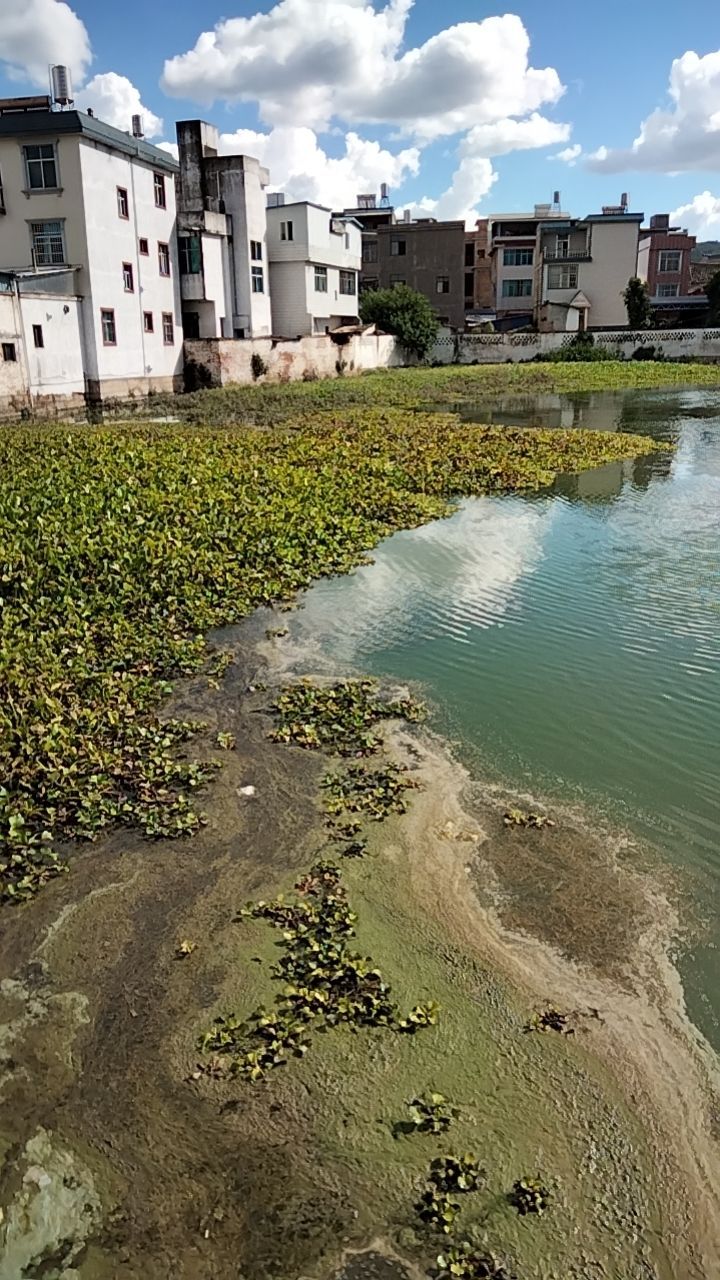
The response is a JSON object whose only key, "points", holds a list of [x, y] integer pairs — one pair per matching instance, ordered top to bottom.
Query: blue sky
{"points": [[445, 114]]}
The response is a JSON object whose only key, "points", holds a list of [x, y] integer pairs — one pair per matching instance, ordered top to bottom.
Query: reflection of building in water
{"points": [[599, 484]]}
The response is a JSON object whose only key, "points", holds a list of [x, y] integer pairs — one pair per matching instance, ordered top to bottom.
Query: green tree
{"points": [[712, 289], [637, 302], [405, 313]]}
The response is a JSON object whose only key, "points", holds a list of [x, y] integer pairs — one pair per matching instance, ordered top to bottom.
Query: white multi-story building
{"points": [[76, 193], [222, 238], [315, 260], [582, 269]]}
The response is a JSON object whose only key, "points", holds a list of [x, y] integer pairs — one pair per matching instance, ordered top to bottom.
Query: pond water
{"points": [[570, 642]]}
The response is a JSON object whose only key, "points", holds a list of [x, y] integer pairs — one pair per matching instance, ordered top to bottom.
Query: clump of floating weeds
{"points": [[123, 546], [340, 717], [376, 792], [523, 818], [325, 983], [551, 1019], [428, 1113], [448, 1177], [529, 1196], [467, 1261]]}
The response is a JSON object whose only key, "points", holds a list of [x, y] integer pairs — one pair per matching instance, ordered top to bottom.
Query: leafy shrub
{"points": [[637, 303], [404, 312], [580, 348], [430, 1113], [529, 1196]]}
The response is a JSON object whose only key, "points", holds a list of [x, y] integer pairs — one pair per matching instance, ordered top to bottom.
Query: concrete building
{"points": [[80, 195], [371, 215], [222, 238], [664, 255], [428, 256], [315, 258], [582, 268], [479, 288], [41, 359]]}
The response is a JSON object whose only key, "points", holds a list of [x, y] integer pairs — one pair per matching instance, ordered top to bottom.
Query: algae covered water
{"points": [[570, 642]]}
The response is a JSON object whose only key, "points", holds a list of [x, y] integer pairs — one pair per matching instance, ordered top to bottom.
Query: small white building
{"points": [[79, 195], [222, 238], [315, 258], [582, 268]]}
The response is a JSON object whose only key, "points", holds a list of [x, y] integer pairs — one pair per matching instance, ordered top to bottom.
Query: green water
{"points": [[570, 642]]}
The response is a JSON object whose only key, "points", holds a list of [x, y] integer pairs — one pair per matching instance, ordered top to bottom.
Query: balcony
{"points": [[553, 255]]}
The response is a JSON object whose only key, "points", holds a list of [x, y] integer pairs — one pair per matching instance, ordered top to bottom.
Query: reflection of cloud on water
{"points": [[447, 577]]}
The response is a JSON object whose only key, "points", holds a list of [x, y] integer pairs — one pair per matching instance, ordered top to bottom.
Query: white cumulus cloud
{"points": [[34, 34], [313, 61], [116, 100], [682, 136], [568, 155], [300, 166], [701, 216]]}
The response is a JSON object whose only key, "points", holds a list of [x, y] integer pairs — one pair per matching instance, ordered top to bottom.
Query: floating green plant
{"points": [[340, 717], [529, 1196]]}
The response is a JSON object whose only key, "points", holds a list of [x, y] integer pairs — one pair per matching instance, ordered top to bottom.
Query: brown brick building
{"points": [[664, 254], [428, 256]]}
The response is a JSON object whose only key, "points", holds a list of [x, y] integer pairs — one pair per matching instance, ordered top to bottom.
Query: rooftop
{"points": [[31, 124]]}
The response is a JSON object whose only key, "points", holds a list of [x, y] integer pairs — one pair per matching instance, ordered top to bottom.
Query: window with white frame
{"points": [[41, 167], [160, 196], [123, 203], [286, 231], [48, 243], [398, 248], [256, 250], [369, 250], [517, 257], [164, 259], [669, 260], [128, 278], [562, 278], [257, 279], [321, 280], [347, 282], [517, 288], [667, 291], [107, 321], [168, 328]]}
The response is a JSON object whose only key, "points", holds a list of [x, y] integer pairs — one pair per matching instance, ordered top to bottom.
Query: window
{"points": [[41, 167], [160, 198], [122, 203], [286, 230], [48, 243], [562, 246], [143, 247], [398, 248], [256, 250], [369, 251], [190, 254], [469, 254], [481, 254], [517, 257], [164, 259], [669, 260], [562, 278], [257, 279], [128, 280], [321, 280], [396, 280], [347, 282], [442, 284], [469, 284], [517, 288], [667, 291], [107, 320], [148, 322], [168, 328], [38, 338], [9, 353]]}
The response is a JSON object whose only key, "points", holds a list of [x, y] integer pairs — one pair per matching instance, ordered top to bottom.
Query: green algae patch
{"points": [[121, 547]]}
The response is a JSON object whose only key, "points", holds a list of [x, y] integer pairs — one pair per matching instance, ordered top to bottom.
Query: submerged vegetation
{"points": [[121, 547]]}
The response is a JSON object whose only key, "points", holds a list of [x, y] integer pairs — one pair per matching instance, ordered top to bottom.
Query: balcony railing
{"points": [[555, 255]]}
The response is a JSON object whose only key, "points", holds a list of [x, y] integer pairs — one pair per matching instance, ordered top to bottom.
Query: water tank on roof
{"points": [[61, 85], [137, 127]]}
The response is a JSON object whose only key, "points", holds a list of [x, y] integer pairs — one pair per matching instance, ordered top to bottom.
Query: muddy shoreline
{"points": [[197, 1180]]}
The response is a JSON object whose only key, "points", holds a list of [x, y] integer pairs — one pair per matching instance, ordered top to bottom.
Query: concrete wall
{"points": [[614, 247], [499, 348], [223, 362], [56, 368], [13, 373]]}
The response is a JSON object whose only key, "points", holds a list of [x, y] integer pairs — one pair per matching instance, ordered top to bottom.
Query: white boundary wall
{"points": [[498, 348], [220, 361]]}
